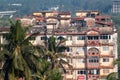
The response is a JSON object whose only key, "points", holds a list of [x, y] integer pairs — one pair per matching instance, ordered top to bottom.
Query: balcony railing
{"points": [[5, 42], [93, 42], [106, 42], [78, 43], [109, 54], [93, 65], [108, 66], [69, 76], [93, 77]]}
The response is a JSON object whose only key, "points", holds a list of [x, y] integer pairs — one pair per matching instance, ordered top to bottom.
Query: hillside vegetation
{"points": [[29, 6]]}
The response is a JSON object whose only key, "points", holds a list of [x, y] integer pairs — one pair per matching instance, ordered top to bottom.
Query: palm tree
{"points": [[54, 52], [18, 54], [51, 59], [45, 73], [114, 75]]}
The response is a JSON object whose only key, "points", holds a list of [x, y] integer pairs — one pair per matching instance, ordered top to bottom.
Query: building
{"points": [[116, 6], [87, 13], [92, 43]]}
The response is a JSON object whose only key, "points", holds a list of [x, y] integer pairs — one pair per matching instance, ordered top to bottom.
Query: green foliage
{"points": [[30, 6], [116, 20], [4, 22], [118, 42], [52, 52], [17, 54], [23, 60], [45, 73], [56, 73], [115, 75], [112, 76]]}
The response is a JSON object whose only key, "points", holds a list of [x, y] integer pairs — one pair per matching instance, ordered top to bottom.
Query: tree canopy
{"points": [[29, 6]]}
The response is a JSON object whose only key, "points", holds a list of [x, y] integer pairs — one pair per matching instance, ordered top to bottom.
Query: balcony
{"points": [[52, 22], [4, 42], [106, 42], [68, 43], [78, 43], [93, 43], [69, 54], [93, 54], [109, 54], [78, 55], [93, 65], [107, 67], [69, 76], [93, 77]]}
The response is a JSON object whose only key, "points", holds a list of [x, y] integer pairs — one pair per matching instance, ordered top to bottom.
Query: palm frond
{"points": [[65, 62], [112, 76]]}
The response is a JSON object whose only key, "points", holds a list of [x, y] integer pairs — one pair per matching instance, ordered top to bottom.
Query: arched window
{"points": [[93, 51]]}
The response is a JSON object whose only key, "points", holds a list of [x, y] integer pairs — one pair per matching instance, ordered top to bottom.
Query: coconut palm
{"points": [[55, 49], [54, 53], [18, 54], [45, 73], [114, 75]]}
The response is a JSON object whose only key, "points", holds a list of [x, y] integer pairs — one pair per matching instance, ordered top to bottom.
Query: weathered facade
{"points": [[91, 38], [92, 42]]}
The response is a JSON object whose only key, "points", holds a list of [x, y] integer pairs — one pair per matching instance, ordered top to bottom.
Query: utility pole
{"points": [[45, 29], [45, 33], [86, 52]]}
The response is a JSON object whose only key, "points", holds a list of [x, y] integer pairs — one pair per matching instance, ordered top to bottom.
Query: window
{"points": [[93, 15], [103, 19], [5, 36], [81, 37], [92, 37], [95, 37], [104, 37], [109, 37], [32, 38], [43, 38], [60, 38], [69, 38], [105, 48], [69, 49], [78, 49], [105, 59], [81, 60], [93, 60], [105, 70], [93, 71], [81, 72]]}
